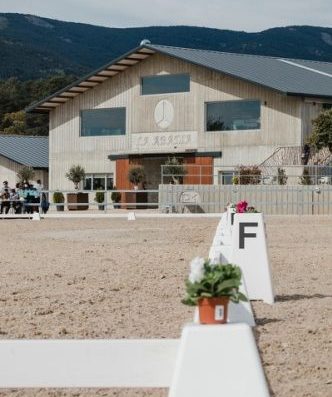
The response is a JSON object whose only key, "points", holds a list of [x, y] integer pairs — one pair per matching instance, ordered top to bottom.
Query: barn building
{"points": [[207, 108], [17, 151]]}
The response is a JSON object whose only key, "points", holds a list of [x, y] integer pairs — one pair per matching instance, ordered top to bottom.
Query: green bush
{"points": [[322, 131], [249, 175], [282, 177], [116, 196], [58, 197], [100, 197]]}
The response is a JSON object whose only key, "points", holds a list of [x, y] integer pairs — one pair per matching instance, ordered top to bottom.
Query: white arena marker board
{"points": [[36, 216], [131, 216], [249, 251], [218, 361], [87, 363]]}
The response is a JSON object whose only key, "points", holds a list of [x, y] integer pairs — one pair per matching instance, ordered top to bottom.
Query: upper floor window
{"points": [[165, 84], [233, 115], [99, 122]]}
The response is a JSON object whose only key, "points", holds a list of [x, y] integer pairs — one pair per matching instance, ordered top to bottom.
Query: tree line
{"points": [[16, 95]]}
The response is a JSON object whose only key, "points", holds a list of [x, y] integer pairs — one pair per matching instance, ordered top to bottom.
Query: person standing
{"points": [[5, 187]]}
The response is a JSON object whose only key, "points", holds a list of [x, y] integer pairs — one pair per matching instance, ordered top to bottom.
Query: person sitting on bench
{"points": [[5, 203]]}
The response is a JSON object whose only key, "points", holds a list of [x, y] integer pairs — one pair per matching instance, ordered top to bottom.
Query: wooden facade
{"points": [[284, 122]]}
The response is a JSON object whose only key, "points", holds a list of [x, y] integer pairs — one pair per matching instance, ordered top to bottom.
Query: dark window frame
{"points": [[165, 75], [230, 101], [103, 135], [223, 174], [97, 175]]}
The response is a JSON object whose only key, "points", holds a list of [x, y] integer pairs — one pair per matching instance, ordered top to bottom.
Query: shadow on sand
{"points": [[298, 297]]}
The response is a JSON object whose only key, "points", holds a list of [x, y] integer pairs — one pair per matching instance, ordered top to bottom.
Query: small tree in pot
{"points": [[175, 170], [25, 174], [76, 174], [136, 175], [211, 286]]}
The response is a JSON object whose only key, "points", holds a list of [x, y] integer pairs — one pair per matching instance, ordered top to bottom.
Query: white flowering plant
{"points": [[209, 280]]}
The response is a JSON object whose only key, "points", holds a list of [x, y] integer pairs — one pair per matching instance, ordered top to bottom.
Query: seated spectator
{"points": [[15, 202], [5, 203]]}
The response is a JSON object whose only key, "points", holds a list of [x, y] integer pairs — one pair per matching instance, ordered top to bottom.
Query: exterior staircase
{"points": [[292, 155], [290, 160]]}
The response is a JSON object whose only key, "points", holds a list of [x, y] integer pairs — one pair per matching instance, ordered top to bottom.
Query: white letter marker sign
{"points": [[249, 251]]}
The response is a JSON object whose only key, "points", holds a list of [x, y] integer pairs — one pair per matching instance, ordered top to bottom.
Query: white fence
{"points": [[270, 199]]}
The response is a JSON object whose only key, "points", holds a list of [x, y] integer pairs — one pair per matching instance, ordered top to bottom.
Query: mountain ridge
{"points": [[48, 46]]}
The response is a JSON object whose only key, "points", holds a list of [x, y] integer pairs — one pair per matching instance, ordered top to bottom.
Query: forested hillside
{"points": [[33, 47], [39, 56], [15, 95]]}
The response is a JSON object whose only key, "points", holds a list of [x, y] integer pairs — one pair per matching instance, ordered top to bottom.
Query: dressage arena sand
{"points": [[110, 278]]}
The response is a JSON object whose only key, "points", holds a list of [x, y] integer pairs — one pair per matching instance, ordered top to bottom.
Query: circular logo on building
{"points": [[164, 113]]}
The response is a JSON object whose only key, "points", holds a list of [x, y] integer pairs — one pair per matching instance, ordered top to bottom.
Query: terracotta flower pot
{"points": [[213, 310]]}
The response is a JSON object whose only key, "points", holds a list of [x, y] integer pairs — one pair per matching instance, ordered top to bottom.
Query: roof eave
{"points": [[308, 95], [33, 107]]}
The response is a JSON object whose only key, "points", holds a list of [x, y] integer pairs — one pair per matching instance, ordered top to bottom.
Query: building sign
{"points": [[163, 142]]}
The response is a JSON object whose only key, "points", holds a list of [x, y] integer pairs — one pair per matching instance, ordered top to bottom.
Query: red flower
{"points": [[241, 207]]}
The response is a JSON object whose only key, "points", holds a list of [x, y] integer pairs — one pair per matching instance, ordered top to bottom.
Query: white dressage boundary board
{"points": [[249, 251], [218, 361], [87, 363]]}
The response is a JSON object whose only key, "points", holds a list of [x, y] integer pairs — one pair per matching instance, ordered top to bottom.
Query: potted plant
{"points": [[174, 170], [25, 174], [76, 174], [136, 175], [59, 198], [116, 198], [100, 199], [242, 207], [211, 287]]}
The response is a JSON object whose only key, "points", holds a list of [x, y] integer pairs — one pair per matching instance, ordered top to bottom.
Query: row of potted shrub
{"points": [[73, 199]]}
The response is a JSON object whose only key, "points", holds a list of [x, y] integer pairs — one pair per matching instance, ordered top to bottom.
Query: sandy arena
{"points": [[110, 278]]}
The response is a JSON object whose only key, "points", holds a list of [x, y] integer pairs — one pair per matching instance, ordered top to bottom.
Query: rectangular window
{"points": [[165, 84], [327, 106], [233, 115], [99, 122], [225, 177], [98, 181]]}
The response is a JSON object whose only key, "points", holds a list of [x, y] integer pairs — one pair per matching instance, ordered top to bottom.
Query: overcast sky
{"points": [[248, 15]]}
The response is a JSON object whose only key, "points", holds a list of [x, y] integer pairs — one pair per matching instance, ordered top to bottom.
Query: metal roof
{"points": [[287, 76], [26, 150]]}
